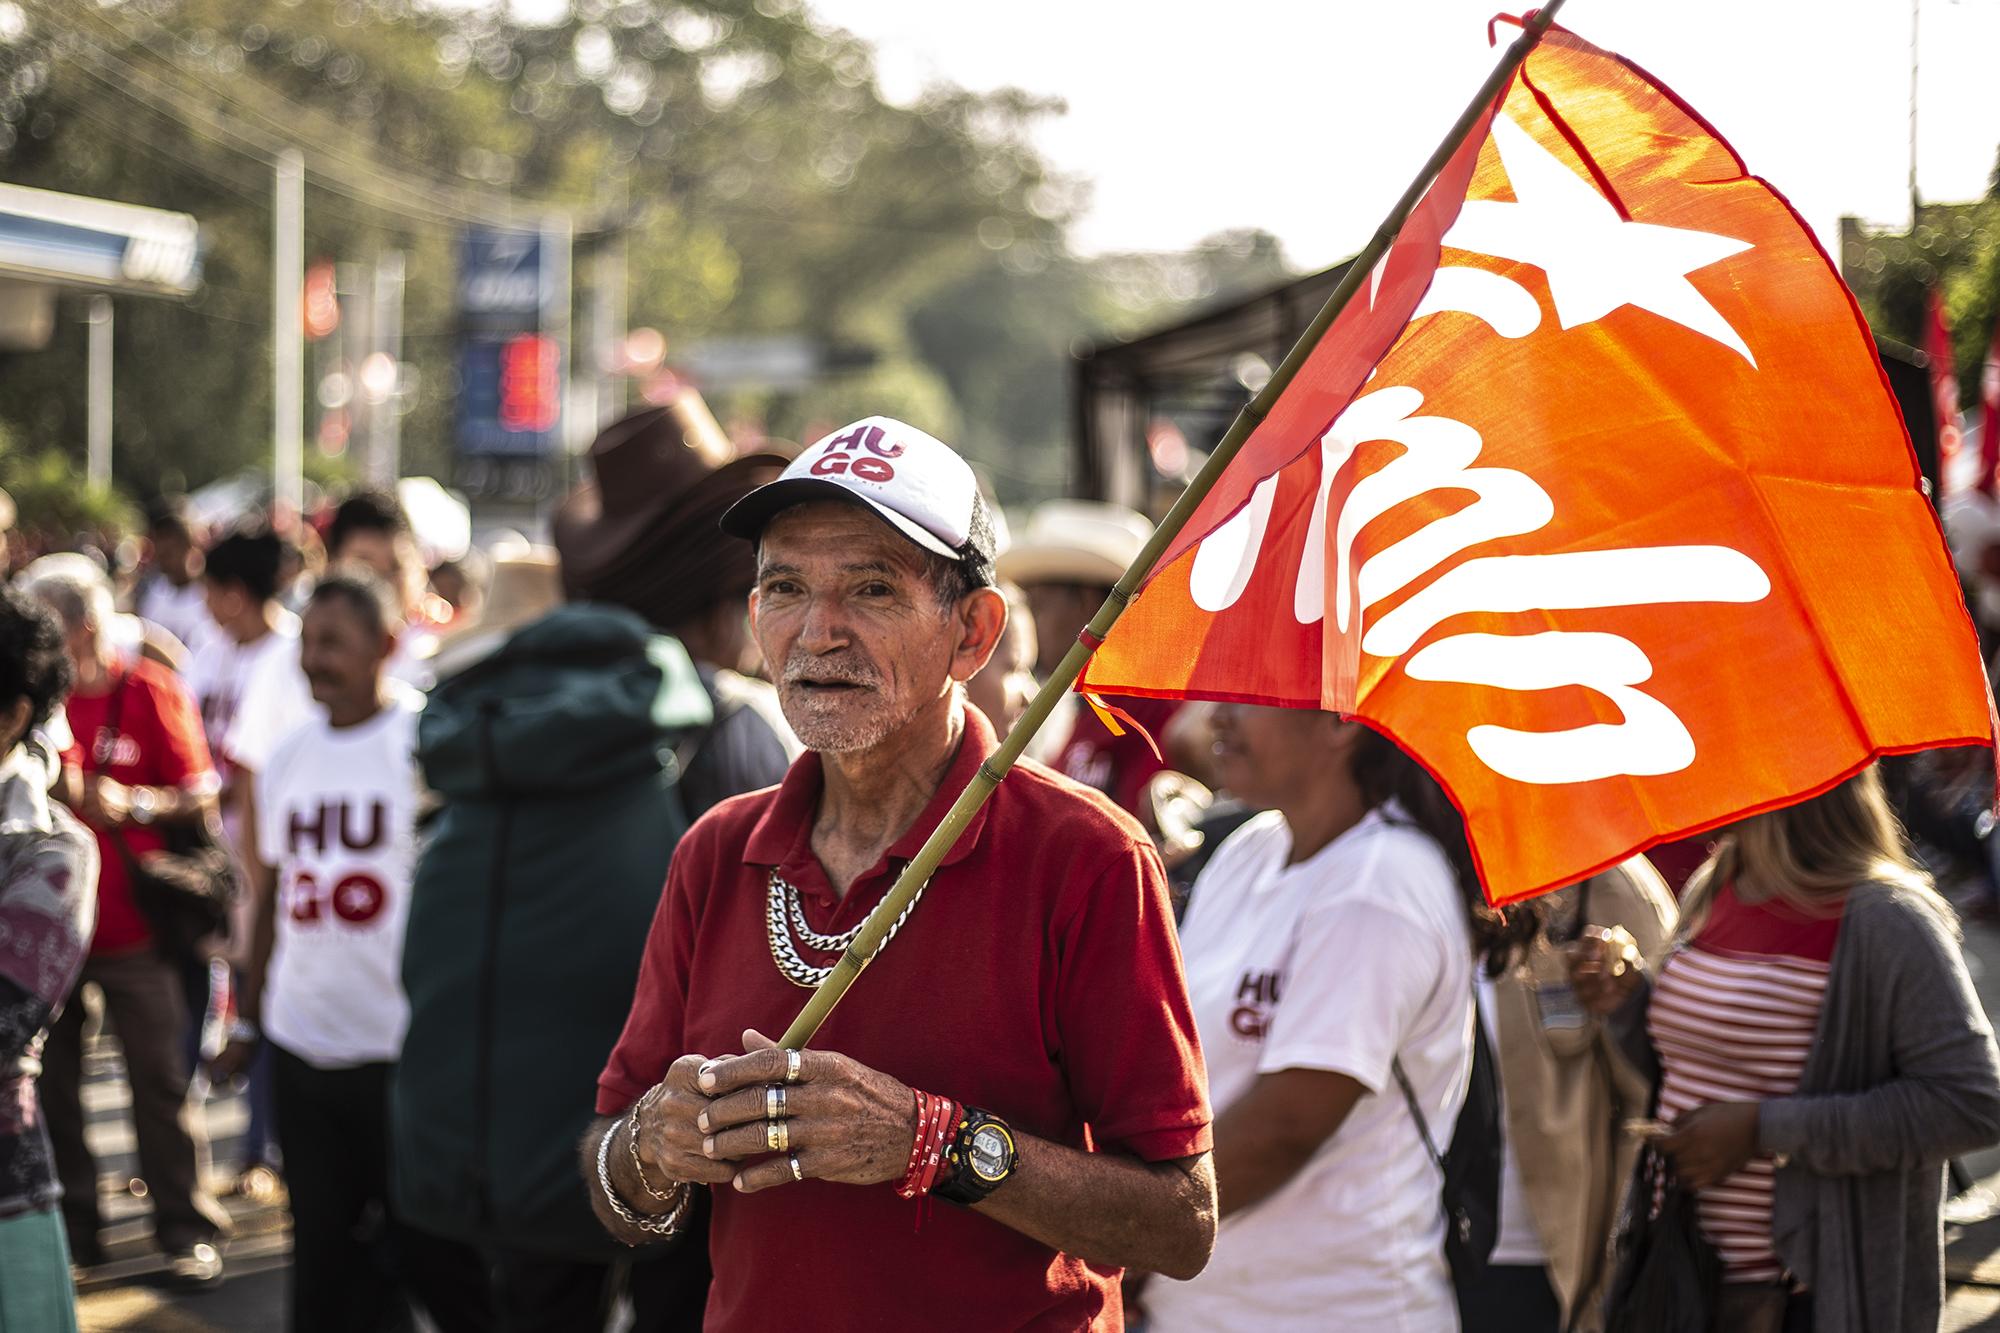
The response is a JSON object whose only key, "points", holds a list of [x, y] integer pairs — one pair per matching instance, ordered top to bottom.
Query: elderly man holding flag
{"points": [[1623, 541], [1025, 1054]]}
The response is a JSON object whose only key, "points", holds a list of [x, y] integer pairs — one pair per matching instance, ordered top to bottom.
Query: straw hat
{"points": [[1075, 541], [526, 586]]}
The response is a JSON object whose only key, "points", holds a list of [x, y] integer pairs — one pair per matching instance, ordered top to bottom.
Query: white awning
{"points": [[73, 241]]}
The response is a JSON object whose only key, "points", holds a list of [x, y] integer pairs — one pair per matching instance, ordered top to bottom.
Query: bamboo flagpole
{"points": [[876, 929]]}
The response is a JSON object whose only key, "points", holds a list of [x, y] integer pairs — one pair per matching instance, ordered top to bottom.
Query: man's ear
{"points": [[982, 619]]}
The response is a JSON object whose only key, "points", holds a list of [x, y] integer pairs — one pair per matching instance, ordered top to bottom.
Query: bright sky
{"points": [[1307, 117]]}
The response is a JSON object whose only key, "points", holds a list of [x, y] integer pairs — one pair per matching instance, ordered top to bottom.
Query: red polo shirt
{"points": [[1038, 978]]}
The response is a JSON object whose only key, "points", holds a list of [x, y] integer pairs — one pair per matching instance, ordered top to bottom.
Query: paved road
{"points": [[125, 1293]]}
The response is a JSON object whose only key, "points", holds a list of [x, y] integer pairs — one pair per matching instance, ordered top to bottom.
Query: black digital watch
{"points": [[979, 1158]]}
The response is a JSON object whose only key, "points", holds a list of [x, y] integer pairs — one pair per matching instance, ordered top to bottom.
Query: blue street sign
{"points": [[511, 290]]}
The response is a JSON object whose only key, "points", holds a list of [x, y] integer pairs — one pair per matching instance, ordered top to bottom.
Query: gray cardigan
{"points": [[1903, 1075]]}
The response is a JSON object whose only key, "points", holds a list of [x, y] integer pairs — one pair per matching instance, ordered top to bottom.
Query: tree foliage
{"points": [[759, 180], [1954, 248]]}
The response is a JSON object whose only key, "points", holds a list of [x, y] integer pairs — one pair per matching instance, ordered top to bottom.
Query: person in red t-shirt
{"points": [[145, 764], [1023, 1050]]}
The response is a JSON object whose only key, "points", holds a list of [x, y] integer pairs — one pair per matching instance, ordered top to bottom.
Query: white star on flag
{"points": [[1595, 260]]}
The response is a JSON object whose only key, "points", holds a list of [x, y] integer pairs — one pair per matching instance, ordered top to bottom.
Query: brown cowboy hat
{"points": [[641, 465]]}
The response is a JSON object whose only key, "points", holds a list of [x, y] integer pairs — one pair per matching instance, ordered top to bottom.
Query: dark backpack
{"points": [[536, 885], [1471, 1166]]}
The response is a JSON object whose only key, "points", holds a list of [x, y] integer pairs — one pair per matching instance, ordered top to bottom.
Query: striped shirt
{"points": [[1733, 1019]]}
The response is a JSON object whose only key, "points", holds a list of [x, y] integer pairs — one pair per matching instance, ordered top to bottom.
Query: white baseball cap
{"points": [[912, 480]]}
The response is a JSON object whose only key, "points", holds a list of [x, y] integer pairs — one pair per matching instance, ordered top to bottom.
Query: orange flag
{"points": [[1623, 538]]}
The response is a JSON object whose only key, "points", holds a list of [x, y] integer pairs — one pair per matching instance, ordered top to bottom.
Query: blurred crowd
{"points": [[376, 829]]}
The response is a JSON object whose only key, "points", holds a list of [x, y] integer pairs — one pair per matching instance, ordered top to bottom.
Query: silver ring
{"points": [[793, 1061], [773, 1103], [777, 1135], [798, 1172]]}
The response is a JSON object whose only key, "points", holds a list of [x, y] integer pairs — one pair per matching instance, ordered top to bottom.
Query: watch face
{"points": [[991, 1149]]}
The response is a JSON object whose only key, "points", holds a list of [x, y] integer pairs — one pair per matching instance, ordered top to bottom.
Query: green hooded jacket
{"points": [[535, 887]]}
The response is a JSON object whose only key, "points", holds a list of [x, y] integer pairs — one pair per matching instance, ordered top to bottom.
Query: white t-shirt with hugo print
{"points": [[336, 815], [1354, 956]]}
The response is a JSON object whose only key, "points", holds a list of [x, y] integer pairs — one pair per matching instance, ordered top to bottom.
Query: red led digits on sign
{"points": [[530, 383]]}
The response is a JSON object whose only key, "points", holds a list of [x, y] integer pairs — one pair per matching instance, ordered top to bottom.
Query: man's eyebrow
{"points": [[876, 566]]}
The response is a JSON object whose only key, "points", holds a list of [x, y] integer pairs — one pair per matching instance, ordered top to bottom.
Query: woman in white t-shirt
{"points": [[1327, 939]]}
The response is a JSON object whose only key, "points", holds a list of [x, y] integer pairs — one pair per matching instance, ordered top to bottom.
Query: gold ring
{"points": [[793, 1061], [773, 1102], [777, 1135], [798, 1172]]}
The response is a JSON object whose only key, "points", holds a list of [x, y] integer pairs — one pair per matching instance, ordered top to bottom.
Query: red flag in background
{"points": [[1944, 395], [1989, 420], [1623, 538]]}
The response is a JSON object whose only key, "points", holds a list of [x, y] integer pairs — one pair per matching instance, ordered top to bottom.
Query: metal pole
{"points": [[1916, 200], [356, 284], [609, 304], [608, 329], [288, 334], [97, 427], [385, 429], [574, 430], [910, 882]]}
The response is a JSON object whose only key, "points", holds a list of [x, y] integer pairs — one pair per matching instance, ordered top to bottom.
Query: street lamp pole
{"points": [[1916, 200], [288, 334], [97, 390]]}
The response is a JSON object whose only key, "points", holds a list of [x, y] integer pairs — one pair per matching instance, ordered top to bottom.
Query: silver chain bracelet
{"points": [[632, 1146], [667, 1224]]}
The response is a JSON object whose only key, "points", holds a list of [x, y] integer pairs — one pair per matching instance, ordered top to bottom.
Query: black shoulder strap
{"points": [[1479, 1044], [1417, 1111]]}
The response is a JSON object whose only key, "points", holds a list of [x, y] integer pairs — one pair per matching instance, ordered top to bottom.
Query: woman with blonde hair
{"points": [[1819, 1055]]}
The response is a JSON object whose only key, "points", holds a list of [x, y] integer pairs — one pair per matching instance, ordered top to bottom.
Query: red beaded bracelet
{"points": [[937, 1125], [942, 1138], [916, 1144]]}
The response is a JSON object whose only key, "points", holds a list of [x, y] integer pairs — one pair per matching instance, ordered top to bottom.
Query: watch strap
{"points": [[962, 1184]]}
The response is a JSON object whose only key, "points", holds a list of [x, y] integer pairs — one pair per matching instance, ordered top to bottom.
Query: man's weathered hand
{"points": [[845, 1121], [669, 1141], [1711, 1143]]}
